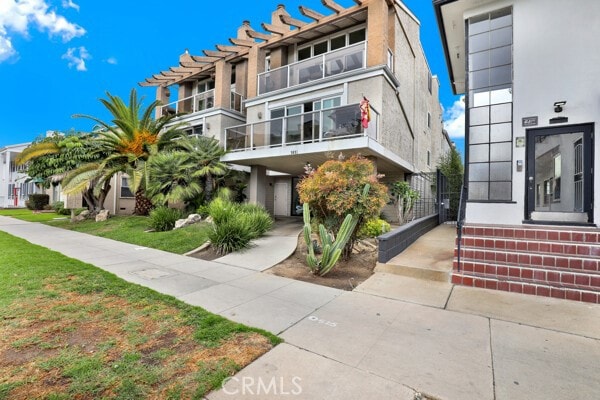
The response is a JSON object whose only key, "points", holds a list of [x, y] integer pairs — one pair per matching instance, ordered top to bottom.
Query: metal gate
{"points": [[448, 196]]}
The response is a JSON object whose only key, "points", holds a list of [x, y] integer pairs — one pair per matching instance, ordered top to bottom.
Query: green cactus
{"points": [[331, 247]]}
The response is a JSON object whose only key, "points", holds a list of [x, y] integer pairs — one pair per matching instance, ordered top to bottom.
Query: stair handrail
{"points": [[460, 220]]}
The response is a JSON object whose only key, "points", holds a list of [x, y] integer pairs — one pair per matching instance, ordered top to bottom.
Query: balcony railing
{"points": [[333, 63], [201, 102], [311, 127]]}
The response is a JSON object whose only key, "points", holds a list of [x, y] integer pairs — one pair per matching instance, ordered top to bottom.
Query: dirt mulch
{"points": [[346, 275]]}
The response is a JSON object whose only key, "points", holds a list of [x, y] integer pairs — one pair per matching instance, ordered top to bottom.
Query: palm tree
{"points": [[130, 139], [206, 155], [171, 178]]}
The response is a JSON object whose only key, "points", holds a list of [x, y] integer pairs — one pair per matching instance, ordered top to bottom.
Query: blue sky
{"points": [[58, 57]]}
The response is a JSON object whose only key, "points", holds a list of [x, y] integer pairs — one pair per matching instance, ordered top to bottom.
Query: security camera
{"points": [[558, 106]]}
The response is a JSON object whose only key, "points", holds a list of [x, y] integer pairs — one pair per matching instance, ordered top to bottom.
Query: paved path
{"points": [[391, 338]]}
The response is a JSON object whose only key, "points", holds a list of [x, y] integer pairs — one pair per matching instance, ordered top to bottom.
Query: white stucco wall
{"points": [[556, 53]]}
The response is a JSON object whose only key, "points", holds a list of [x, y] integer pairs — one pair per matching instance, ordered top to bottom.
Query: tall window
{"points": [[490, 106], [125, 190]]}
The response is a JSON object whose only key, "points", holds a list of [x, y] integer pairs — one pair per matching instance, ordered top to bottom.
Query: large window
{"points": [[334, 43], [490, 106]]}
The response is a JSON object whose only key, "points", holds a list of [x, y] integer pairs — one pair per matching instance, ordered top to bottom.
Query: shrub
{"points": [[335, 190], [37, 201], [59, 208], [203, 210], [163, 218], [259, 219], [235, 225], [373, 228], [231, 235]]}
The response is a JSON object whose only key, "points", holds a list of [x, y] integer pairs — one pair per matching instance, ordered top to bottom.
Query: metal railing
{"points": [[328, 64], [202, 102], [316, 126], [460, 221]]}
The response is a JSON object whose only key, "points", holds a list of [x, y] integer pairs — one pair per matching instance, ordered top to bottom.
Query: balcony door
{"points": [[559, 174]]}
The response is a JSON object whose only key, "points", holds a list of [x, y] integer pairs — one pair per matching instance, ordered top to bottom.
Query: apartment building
{"points": [[527, 71], [290, 94], [14, 187]]}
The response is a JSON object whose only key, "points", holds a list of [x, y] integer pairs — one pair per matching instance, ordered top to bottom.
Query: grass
{"points": [[28, 215], [130, 229], [70, 330]]}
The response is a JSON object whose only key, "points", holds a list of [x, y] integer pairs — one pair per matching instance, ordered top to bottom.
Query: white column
{"points": [[258, 185]]}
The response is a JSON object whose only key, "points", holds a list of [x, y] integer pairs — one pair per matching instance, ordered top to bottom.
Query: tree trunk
{"points": [[208, 188], [103, 193], [143, 205]]}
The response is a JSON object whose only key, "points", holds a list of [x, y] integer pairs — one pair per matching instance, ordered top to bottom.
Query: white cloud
{"points": [[70, 4], [16, 18], [6, 49], [77, 60], [112, 61], [454, 119]]}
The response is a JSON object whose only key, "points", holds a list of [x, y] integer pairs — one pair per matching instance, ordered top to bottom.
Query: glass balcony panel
{"points": [[328, 64], [306, 71], [273, 80], [342, 121], [237, 138]]}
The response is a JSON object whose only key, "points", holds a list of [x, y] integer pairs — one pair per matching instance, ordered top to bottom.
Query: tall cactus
{"points": [[332, 247]]}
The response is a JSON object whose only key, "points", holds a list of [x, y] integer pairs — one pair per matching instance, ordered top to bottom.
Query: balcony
{"points": [[322, 66], [201, 102], [311, 127]]}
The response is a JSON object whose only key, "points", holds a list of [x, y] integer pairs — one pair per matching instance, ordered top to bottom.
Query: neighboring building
{"points": [[527, 69], [290, 95], [14, 187]]}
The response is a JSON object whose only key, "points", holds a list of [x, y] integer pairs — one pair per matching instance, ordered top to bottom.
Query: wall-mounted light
{"points": [[558, 106], [259, 115], [208, 126]]}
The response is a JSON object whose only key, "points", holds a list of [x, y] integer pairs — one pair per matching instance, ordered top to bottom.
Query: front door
{"points": [[559, 174], [282, 204]]}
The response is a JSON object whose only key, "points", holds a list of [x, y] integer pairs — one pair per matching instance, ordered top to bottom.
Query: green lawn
{"points": [[28, 215], [130, 229], [70, 330]]}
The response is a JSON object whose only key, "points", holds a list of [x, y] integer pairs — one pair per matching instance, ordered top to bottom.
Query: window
{"points": [[357, 36], [334, 43], [390, 60], [429, 81], [205, 86], [490, 107], [429, 120], [197, 130], [428, 158], [11, 190], [125, 191]]}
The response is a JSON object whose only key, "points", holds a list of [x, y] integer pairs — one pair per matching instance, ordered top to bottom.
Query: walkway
{"points": [[392, 337]]}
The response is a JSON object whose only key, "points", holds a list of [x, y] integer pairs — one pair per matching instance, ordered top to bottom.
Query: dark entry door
{"points": [[559, 174]]}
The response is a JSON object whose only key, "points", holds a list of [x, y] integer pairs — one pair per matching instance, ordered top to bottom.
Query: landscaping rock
{"points": [[103, 215], [82, 216], [209, 219], [190, 220]]}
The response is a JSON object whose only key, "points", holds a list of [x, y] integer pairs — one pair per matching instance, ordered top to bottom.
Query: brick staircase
{"points": [[560, 262]]}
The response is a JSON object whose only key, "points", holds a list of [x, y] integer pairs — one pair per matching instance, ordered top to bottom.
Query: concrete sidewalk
{"points": [[391, 338]]}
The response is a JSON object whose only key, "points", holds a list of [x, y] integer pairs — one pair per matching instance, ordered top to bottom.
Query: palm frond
{"points": [[37, 150]]}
